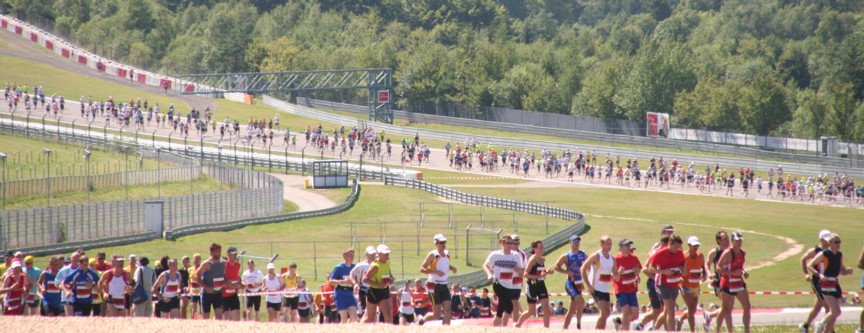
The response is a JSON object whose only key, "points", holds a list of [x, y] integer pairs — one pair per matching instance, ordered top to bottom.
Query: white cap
{"points": [[824, 234], [514, 237], [440, 238], [693, 240], [383, 249], [371, 250], [132, 256], [14, 264], [271, 265]]}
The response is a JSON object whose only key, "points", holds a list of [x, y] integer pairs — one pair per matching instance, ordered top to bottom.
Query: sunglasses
{"points": [[444, 242], [837, 242]]}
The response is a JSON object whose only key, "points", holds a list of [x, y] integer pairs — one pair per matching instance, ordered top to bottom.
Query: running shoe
{"points": [[638, 327], [820, 327], [804, 328]]}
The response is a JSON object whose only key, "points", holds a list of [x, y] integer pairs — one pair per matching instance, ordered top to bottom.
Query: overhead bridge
{"points": [[377, 81]]}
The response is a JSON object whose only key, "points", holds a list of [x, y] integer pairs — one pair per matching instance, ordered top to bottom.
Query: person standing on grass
{"points": [[601, 265], [668, 265], [437, 266], [501, 267], [535, 272], [696, 272], [211, 276], [145, 277], [379, 277], [252, 280], [341, 280], [829, 280], [626, 282], [574, 285], [732, 285], [167, 290], [819, 304]]}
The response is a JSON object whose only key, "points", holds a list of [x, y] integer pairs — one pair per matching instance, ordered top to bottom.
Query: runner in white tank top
{"points": [[601, 264], [115, 282], [273, 285], [406, 304]]}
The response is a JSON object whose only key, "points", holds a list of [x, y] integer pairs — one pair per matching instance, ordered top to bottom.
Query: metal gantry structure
{"points": [[377, 81]]}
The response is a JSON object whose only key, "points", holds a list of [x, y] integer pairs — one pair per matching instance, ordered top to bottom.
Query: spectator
{"points": [[145, 277], [560, 310]]}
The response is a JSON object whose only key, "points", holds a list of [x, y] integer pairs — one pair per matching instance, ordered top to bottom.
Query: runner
{"points": [[722, 239], [668, 264], [437, 266], [601, 266], [861, 266], [502, 267], [131, 268], [833, 268], [696, 271], [33, 274], [357, 274], [536, 274], [211, 275], [379, 277], [60, 278], [341, 279], [252, 280], [517, 280], [114, 282], [626, 282], [80, 283], [289, 283], [184, 285], [573, 285], [732, 285], [194, 286], [273, 286], [14, 289], [167, 290], [653, 298], [230, 299], [422, 299], [51, 304], [819, 304], [406, 305], [305, 306]]}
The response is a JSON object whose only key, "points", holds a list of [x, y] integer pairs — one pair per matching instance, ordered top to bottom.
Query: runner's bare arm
{"points": [[804, 259], [861, 259], [561, 261], [589, 263], [811, 266], [424, 269], [615, 270], [704, 270], [527, 274], [367, 279], [41, 280], [158, 284], [6, 289]]}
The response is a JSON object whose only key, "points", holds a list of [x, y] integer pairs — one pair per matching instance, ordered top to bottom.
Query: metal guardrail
{"points": [[660, 143], [624, 153], [195, 229]]}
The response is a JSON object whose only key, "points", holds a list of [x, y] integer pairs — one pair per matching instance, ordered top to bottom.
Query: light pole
{"points": [[219, 148], [48, 152], [87, 154], [3, 159], [286, 159], [302, 161], [126, 174]]}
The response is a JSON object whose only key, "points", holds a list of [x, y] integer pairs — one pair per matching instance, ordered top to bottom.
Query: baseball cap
{"points": [[666, 228], [824, 234], [737, 236], [514, 237], [440, 238], [575, 239], [693, 240], [624, 241], [632, 246], [383, 249], [232, 250], [371, 250], [19, 254], [132, 256], [28, 259], [92, 261], [14, 264], [271, 265]]}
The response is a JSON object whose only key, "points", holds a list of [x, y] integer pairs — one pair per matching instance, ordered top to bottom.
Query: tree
{"points": [[658, 73], [842, 104], [762, 105]]}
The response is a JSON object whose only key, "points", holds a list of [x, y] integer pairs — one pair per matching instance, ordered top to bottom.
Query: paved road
{"points": [[305, 200]]}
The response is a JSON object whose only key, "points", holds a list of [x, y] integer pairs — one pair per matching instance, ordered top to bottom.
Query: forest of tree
{"points": [[778, 67]]}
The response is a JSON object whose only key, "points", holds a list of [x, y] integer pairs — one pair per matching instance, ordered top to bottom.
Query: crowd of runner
{"points": [[604, 281]]}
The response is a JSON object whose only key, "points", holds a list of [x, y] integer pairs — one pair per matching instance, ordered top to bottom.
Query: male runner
{"points": [[722, 239], [601, 265], [668, 265], [437, 266], [501, 267], [357, 274], [211, 275], [379, 277], [60, 278], [340, 278], [115, 281], [289, 282], [626, 282], [252, 283], [574, 284], [195, 286], [49, 288], [167, 290], [230, 299], [656, 304]]}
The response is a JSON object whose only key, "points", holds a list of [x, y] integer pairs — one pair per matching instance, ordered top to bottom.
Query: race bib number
{"points": [[541, 274], [506, 276], [694, 276], [605, 277], [628, 277], [675, 277], [517, 280], [217, 283], [736, 284], [828, 284], [172, 288], [82, 292], [406, 304]]}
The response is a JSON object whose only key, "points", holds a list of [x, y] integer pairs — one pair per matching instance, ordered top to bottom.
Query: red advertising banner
{"points": [[4, 24], [18, 30], [34, 37], [49, 45], [64, 52], [82, 59], [121, 72], [142, 78], [165, 84], [189, 88], [657, 124]]}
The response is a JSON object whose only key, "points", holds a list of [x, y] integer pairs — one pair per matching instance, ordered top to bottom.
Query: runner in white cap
{"points": [[437, 265], [357, 274], [379, 277], [252, 282], [272, 286], [819, 304]]}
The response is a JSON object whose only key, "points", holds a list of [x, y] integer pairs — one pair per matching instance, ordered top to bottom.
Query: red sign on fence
{"points": [[4, 23], [18, 30], [34, 37], [49, 45], [64, 52], [82, 59], [121, 72], [142, 78], [166, 84], [189, 88], [383, 96]]}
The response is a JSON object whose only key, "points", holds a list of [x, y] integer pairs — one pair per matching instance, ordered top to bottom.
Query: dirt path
{"points": [[305, 200]]}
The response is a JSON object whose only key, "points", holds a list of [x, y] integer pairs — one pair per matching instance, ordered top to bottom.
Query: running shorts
{"points": [[816, 287], [572, 289], [726, 290], [536, 291], [667, 292], [441, 293], [652, 294], [376, 295], [600, 296], [345, 299], [505, 299], [627, 299], [211, 300], [253, 302], [231, 303], [291, 303], [275, 306], [304, 313], [409, 318]]}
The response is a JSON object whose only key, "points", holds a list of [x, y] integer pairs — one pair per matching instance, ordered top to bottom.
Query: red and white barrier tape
{"points": [[295, 292]]}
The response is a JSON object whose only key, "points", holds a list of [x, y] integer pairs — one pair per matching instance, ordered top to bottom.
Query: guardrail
{"points": [[664, 143], [624, 153], [195, 229]]}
